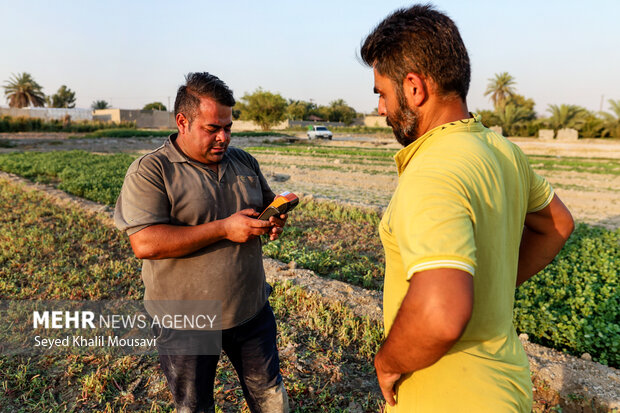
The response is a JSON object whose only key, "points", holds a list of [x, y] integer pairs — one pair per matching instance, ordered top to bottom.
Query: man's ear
{"points": [[415, 88], [182, 123]]}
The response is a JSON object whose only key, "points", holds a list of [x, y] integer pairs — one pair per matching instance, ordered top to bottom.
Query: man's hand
{"points": [[243, 226], [278, 226], [387, 381]]}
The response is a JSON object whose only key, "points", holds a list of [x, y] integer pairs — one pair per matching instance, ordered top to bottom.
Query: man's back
{"points": [[461, 201]]}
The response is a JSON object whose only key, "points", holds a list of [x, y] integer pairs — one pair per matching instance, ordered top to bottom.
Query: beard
{"points": [[404, 122]]}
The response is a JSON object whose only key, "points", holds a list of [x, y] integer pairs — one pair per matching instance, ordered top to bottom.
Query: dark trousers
{"points": [[251, 347]]}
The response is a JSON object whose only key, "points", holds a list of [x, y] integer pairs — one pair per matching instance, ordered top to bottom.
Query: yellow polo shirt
{"points": [[462, 195]]}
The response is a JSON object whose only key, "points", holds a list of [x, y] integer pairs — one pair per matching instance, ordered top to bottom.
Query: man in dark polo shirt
{"points": [[190, 209]]}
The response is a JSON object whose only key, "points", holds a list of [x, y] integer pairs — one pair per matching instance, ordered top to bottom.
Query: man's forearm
{"points": [[544, 235], [173, 241], [536, 251], [431, 318]]}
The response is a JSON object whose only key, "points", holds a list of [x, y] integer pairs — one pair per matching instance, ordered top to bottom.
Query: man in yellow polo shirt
{"points": [[468, 222]]}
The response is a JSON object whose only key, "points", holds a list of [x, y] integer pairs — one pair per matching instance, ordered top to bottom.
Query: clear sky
{"points": [[130, 53]]}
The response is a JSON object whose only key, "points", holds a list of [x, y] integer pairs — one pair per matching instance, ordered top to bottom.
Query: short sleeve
{"points": [[541, 193], [143, 200], [435, 228]]}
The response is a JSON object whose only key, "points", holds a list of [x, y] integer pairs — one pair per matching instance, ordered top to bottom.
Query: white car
{"points": [[319, 132]]}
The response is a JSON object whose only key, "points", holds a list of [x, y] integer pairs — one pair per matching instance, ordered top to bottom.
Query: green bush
{"points": [[23, 124], [574, 304]]}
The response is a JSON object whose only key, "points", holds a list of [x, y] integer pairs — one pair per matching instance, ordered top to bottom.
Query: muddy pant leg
{"points": [[252, 350], [190, 379]]}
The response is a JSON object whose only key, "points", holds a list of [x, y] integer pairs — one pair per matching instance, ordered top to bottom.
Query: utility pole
{"points": [[602, 99], [169, 109]]}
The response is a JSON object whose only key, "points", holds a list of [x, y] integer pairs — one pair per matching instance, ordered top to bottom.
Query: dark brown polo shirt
{"points": [[165, 187]]}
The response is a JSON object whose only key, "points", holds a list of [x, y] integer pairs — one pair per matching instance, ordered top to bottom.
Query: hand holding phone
{"points": [[281, 204]]}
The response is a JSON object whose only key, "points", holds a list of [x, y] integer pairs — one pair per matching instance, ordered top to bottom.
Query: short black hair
{"points": [[420, 40], [197, 85]]}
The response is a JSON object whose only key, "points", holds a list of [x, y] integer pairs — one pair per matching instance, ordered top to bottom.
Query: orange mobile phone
{"points": [[280, 205]]}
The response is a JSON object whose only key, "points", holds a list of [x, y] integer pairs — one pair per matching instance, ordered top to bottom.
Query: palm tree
{"points": [[500, 88], [22, 90], [64, 98], [100, 104], [615, 107], [512, 116], [566, 116], [611, 122]]}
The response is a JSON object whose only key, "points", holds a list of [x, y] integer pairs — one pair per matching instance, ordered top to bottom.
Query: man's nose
{"points": [[381, 107], [221, 135]]}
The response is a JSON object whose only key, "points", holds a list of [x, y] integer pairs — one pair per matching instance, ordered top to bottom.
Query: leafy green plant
{"points": [[100, 181], [574, 304]]}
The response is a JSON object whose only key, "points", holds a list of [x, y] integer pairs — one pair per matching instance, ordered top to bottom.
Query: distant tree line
{"points": [[21, 90], [268, 109], [512, 111], [515, 113]]}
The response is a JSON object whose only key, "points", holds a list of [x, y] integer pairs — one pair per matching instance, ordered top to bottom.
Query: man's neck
{"points": [[441, 112], [178, 143]]}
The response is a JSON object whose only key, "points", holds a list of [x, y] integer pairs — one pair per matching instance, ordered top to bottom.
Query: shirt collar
{"points": [[173, 154], [404, 156]]}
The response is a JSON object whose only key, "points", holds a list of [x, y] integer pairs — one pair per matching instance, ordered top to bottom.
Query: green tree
{"points": [[500, 88], [22, 90], [64, 98], [520, 100], [100, 104], [154, 106], [615, 107], [265, 108], [299, 109], [321, 111], [341, 112], [566, 116], [489, 117], [512, 117], [611, 121], [595, 127]]}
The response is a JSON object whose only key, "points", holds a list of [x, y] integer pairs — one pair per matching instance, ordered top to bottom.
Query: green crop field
{"points": [[48, 252], [573, 305]]}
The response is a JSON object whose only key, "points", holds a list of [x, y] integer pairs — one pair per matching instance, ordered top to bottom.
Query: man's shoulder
{"points": [[451, 146], [238, 153], [240, 156], [152, 161]]}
